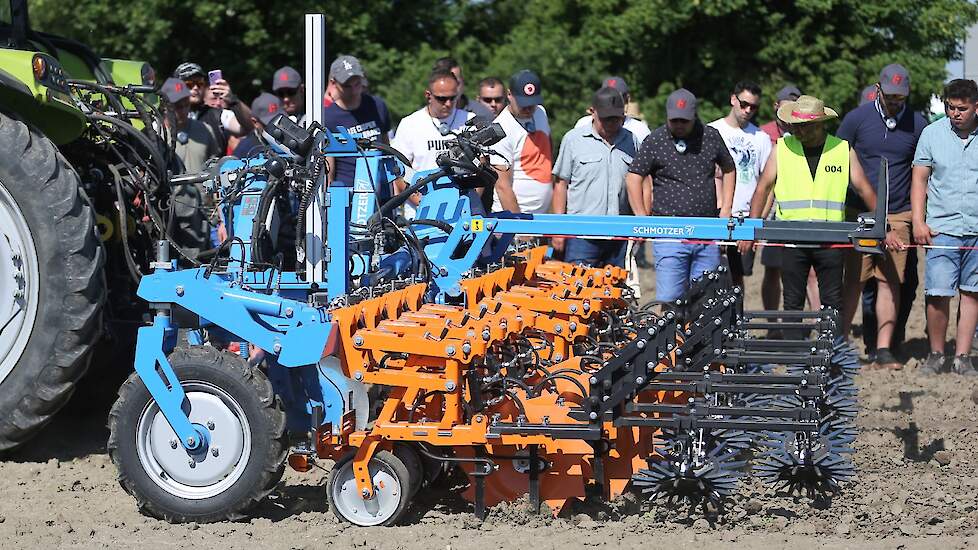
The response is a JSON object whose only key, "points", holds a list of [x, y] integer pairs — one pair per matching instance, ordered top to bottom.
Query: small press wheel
{"points": [[392, 491]]}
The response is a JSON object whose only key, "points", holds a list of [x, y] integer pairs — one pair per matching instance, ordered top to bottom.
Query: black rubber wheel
{"points": [[51, 262], [247, 426], [412, 461], [392, 491]]}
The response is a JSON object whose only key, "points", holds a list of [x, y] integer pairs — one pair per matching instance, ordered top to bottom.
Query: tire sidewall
{"points": [[229, 502]]}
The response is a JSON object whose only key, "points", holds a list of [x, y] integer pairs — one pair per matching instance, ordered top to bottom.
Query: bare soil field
{"points": [[917, 487]]}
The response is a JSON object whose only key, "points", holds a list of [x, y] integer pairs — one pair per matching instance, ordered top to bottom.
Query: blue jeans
{"points": [[595, 253], [676, 264]]}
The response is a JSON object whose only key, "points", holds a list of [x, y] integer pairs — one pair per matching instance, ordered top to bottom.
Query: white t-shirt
{"points": [[637, 127], [419, 137], [750, 148], [530, 156]]}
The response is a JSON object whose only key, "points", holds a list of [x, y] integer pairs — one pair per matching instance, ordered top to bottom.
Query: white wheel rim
{"points": [[19, 290], [217, 465], [345, 496]]}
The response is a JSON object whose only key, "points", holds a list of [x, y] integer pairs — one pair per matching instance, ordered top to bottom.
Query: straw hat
{"points": [[805, 109]]}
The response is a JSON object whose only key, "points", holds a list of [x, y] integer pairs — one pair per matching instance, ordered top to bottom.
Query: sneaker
{"points": [[886, 360], [934, 364], [962, 365]]}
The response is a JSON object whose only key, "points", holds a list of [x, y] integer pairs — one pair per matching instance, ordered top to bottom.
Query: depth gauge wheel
{"points": [[242, 461], [392, 491]]}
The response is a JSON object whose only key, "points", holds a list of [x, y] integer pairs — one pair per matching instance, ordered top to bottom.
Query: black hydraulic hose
{"points": [[141, 137], [397, 200], [258, 222], [124, 226], [447, 228], [576, 382]]}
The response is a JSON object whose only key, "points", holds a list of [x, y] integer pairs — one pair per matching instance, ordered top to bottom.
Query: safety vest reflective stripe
{"points": [[799, 196], [831, 205]]}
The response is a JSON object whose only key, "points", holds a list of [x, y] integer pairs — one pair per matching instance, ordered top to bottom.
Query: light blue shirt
{"points": [[595, 171], [952, 190]]}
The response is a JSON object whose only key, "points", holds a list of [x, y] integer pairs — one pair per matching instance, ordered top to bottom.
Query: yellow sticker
{"points": [[478, 225]]}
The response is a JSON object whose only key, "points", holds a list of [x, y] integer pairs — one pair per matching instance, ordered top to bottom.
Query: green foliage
{"points": [[829, 48]]}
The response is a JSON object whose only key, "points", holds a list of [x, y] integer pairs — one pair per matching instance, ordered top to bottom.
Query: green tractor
{"points": [[84, 179]]}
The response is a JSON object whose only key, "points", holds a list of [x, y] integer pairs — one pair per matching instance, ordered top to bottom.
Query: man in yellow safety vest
{"points": [[810, 171]]}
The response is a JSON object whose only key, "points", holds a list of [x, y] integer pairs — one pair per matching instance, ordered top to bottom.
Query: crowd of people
{"points": [[612, 164]]}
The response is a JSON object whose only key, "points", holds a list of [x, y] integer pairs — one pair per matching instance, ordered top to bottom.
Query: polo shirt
{"points": [[866, 132], [594, 170], [683, 184], [952, 189]]}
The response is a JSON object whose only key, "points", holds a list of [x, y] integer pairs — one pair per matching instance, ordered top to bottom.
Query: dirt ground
{"points": [[917, 487]]}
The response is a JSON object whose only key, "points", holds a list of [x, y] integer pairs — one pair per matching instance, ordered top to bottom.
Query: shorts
{"points": [[771, 256], [892, 264], [741, 265], [948, 270]]}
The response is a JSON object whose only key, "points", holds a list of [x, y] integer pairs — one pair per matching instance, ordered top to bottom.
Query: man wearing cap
{"points": [[287, 85], [463, 102], [264, 108], [363, 115], [229, 116], [638, 128], [884, 128], [425, 133], [194, 146], [749, 147], [682, 157], [809, 172], [590, 175], [524, 183], [944, 202]]}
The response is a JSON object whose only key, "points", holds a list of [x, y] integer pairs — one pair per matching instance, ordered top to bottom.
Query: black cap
{"points": [[286, 77], [175, 89], [526, 89], [608, 102], [681, 104], [266, 106]]}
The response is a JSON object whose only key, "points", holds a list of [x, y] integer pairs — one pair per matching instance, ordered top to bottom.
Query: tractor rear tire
{"points": [[52, 285]]}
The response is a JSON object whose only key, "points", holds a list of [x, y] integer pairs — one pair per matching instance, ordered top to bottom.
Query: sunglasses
{"points": [[195, 82], [286, 92], [443, 98], [499, 99], [746, 104]]}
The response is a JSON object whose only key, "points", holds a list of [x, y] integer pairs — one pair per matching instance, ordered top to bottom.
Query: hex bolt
{"points": [[465, 226], [442, 271], [179, 290], [573, 308], [289, 312], [572, 326], [559, 328], [485, 335], [358, 340], [640, 344], [276, 347], [466, 348], [450, 351], [558, 357], [358, 375], [593, 380], [639, 380], [449, 386], [593, 416], [210, 425], [191, 441], [174, 443], [215, 451], [192, 463], [365, 493]]}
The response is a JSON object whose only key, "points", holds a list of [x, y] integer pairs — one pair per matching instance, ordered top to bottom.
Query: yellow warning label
{"points": [[478, 225]]}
